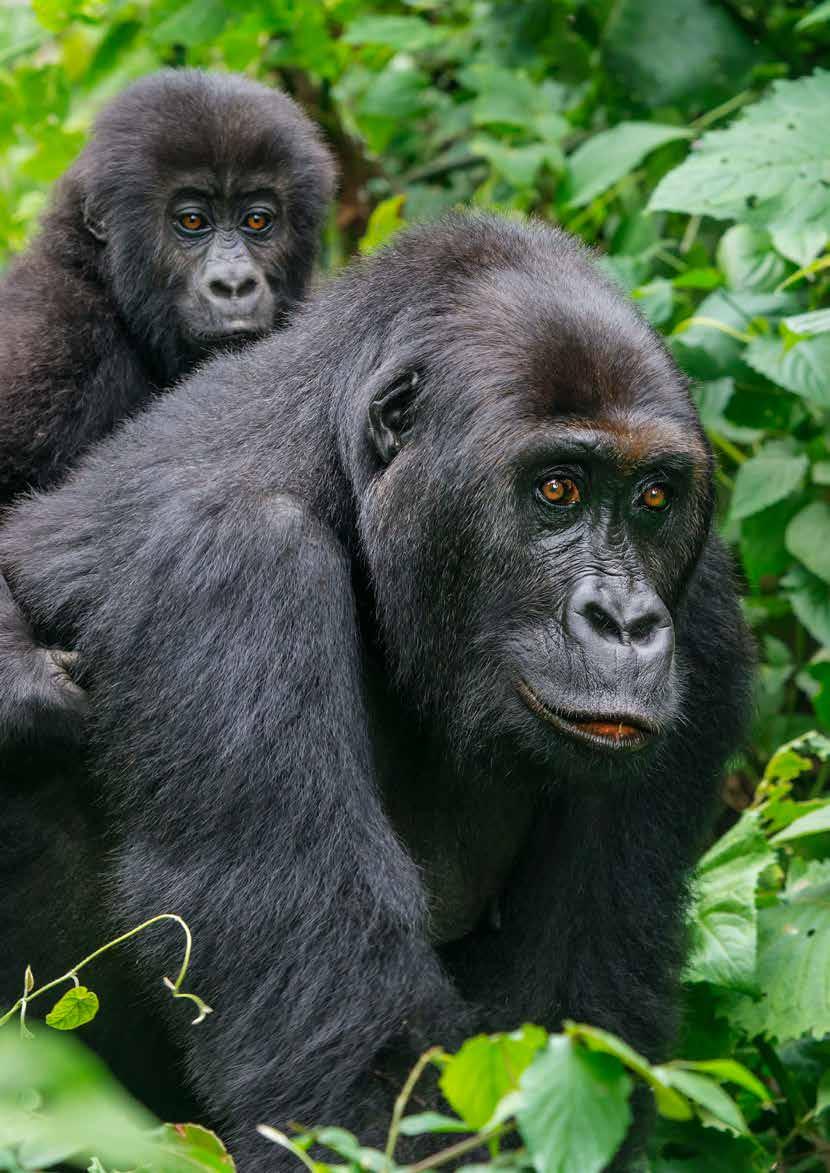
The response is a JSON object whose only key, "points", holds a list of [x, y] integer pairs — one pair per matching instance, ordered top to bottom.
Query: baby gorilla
{"points": [[188, 223], [410, 616]]}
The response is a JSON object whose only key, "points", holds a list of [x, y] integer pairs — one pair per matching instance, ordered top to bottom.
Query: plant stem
{"points": [[721, 111], [727, 447], [71, 974], [403, 1099], [463, 1146]]}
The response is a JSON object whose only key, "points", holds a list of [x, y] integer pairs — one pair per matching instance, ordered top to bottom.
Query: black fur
{"points": [[91, 320], [303, 618]]}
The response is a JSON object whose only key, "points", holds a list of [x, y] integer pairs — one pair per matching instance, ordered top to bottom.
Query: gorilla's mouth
{"points": [[617, 731]]}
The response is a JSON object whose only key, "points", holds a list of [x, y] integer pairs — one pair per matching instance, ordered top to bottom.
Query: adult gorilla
{"points": [[190, 221], [414, 662]]}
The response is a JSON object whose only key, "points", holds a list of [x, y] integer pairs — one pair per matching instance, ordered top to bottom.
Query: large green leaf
{"points": [[607, 157], [771, 166], [803, 368], [765, 479], [808, 538], [817, 822], [724, 920], [793, 961], [573, 1112]]}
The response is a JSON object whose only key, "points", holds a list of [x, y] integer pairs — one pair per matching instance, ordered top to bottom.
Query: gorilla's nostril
{"points": [[247, 287], [220, 289], [601, 621], [644, 629]]}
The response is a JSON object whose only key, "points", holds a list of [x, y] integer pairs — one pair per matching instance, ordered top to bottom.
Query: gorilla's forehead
{"points": [[188, 122], [566, 346]]}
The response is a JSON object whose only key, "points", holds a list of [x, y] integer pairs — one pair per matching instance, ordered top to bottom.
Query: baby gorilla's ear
{"points": [[390, 415]]}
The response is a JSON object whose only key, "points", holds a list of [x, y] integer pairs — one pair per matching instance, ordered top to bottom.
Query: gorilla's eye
{"points": [[257, 220], [192, 221], [560, 491], [656, 497]]}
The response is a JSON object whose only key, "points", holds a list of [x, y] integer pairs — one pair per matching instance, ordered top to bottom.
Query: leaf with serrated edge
{"points": [[574, 1109]]}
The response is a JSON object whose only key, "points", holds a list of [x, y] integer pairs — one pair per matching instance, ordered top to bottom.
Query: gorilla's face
{"points": [[223, 253], [554, 515], [612, 515]]}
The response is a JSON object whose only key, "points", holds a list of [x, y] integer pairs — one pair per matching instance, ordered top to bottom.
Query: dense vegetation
{"points": [[689, 143]]}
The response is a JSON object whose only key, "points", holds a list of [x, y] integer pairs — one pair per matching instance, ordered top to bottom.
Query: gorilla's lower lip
{"points": [[617, 731]]}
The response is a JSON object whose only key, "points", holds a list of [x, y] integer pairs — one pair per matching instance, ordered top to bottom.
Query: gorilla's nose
{"points": [[234, 287], [608, 615]]}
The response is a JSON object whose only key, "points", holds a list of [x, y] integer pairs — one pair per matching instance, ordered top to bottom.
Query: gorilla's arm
{"points": [[67, 373], [39, 701], [229, 719]]}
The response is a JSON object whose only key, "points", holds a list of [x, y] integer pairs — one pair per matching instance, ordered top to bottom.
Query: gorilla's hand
{"points": [[40, 703]]}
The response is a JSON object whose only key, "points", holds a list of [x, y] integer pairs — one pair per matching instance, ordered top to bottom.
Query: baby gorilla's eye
{"points": [[257, 220], [192, 221], [560, 491], [656, 497]]}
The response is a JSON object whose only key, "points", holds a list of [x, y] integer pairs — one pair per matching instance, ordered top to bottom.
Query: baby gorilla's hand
{"points": [[40, 703]]}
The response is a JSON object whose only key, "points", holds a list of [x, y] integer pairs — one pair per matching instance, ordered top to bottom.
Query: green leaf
{"points": [[819, 14], [196, 23], [404, 34], [395, 93], [505, 97], [606, 157], [519, 165], [770, 167], [384, 222], [749, 261], [656, 300], [814, 322], [707, 352], [803, 368], [763, 480], [808, 538], [763, 552], [810, 600], [817, 822], [724, 920], [793, 961], [77, 1007], [485, 1069], [726, 1070], [823, 1090], [706, 1094], [668, 1102], [83, 1109], [573, 1111], [431, 1122], [182, 1148]]}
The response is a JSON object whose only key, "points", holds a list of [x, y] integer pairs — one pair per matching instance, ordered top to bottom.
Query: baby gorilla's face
{"points": [[225, 252]]}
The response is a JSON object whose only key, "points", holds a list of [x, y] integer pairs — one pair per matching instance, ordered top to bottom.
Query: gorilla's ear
{"points": [[94, 223], [389, 415]]}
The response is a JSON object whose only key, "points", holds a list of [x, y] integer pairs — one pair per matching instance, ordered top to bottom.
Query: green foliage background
{"points": [[690, 142]]}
